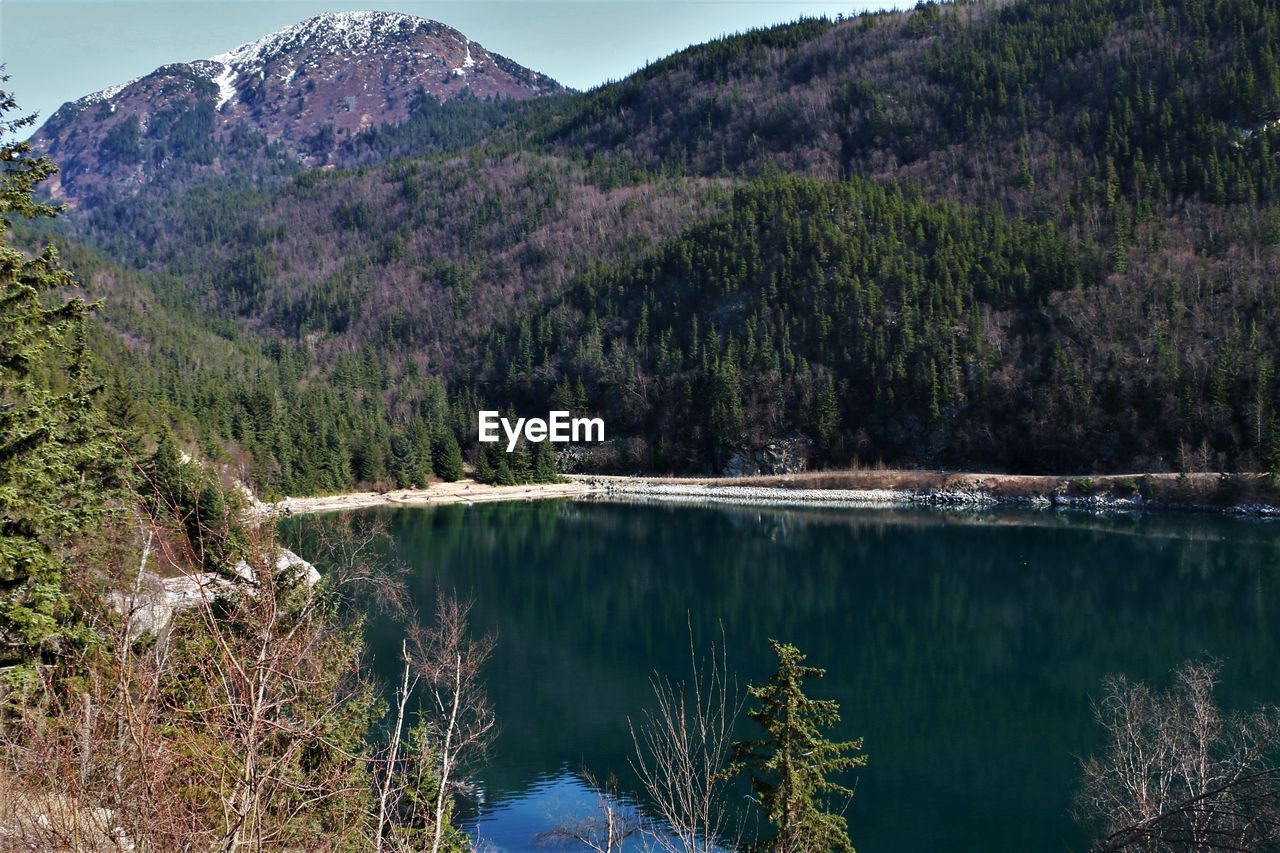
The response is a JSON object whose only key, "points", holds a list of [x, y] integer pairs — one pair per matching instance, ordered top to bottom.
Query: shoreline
{"points": [[439, 494], [1234, 494]]}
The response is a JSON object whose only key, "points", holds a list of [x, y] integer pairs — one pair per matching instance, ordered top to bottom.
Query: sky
{"points": [[58, 50]]}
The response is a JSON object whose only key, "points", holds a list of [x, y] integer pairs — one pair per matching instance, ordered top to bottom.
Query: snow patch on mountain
{"points": [[333, 31], [314, 84], [226, 86], [105, 94]]}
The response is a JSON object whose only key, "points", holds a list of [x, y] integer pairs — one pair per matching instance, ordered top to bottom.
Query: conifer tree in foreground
{"points": [[55, 457], [791, 767]]}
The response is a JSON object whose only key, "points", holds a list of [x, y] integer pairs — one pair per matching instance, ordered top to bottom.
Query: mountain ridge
{"points": [[297, 93], [672, 251]]}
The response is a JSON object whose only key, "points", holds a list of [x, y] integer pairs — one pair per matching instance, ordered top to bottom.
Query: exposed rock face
{"points": [[308, 87], [616, 454], [787, 455]]}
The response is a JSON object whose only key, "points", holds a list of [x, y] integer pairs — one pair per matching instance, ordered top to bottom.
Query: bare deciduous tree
{"points": [[272, 684], [229, 707], [458, 713], [682, 746], [1179, 774], [390, 786]]}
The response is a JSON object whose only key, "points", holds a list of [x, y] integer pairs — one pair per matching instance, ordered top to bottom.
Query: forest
{"points": [[968, 235]]}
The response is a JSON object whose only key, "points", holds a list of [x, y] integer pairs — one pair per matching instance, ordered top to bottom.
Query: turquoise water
{"points": [[965, 648]]}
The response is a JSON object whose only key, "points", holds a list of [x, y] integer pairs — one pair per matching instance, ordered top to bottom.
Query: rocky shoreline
{"points": [[1116, 493], [888, 497]]}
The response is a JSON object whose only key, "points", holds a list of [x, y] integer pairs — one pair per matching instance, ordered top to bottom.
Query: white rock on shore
{"points": [[155, 600]]}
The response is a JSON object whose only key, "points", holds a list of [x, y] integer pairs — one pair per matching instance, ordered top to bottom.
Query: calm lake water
{"points": [[964, 647]]}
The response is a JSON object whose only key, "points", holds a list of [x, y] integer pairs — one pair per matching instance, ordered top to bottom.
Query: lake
{"points": [[965, 647]]}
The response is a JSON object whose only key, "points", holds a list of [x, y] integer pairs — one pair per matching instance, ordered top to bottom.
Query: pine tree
{"points": [[724, 410], [828, 415], [125, 417], [419, 438], [55, 454], [446, 457], [369, 458], [404, 461], [521, 463], [544, 464], [484, 468], [502, 473], [194, 498], [790, 768]]}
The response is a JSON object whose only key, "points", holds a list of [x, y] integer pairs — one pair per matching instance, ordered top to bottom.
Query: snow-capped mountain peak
{"points": [[336, 32], [311, 86]]}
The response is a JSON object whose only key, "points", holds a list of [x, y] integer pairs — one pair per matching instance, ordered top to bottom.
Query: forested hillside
{"points": [[1022, 236]]}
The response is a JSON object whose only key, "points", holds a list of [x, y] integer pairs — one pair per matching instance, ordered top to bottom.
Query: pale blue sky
{"points": [[58, 50]]}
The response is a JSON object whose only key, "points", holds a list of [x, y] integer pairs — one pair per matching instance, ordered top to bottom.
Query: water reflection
{"points": [[963, 646]]}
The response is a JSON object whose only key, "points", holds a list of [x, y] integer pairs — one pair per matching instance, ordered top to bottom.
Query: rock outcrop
{"points": [[789, 454], [155, 600]]}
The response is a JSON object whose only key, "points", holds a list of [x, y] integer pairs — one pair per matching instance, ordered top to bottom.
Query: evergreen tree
{"points": [[724, 404], [828, 415], [125, 417], [419, 438], [55, 455], [369, 458], [446, 459], [404, 460], [521, 463], [544, 464], [484, 469], [194, 497], [790, 768]]}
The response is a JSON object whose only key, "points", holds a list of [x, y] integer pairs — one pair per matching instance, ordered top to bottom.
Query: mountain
{"points": [[295, 95], [1030, 236]]}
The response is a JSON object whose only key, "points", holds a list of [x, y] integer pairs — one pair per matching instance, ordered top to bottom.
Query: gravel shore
{"points": [[978, 492], [955, 498]]}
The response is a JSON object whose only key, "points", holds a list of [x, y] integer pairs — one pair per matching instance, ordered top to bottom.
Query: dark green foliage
{"points": [[1132, 109], [437, 128], [687, 129], [124, 141], [1066, 259], [811, 283], [827, 415], [411, 455], [446, 460], [57, 463], [544, 464], [202, 508], [792, 767]]}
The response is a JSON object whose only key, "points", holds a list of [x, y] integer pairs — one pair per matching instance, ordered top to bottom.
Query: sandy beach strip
{"points": [[439, 494]]}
